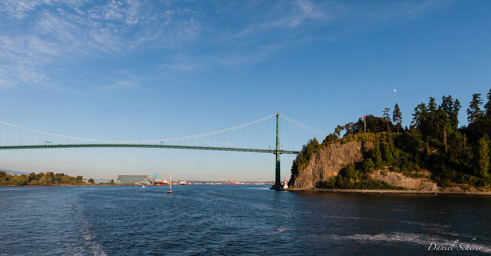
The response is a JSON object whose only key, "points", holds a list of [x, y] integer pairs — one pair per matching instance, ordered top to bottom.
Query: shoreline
{"points": [[70, 185], [137, 185], [321, 190], [390, 191]]}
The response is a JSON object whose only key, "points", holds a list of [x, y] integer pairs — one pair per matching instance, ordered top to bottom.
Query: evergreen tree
{"points": [[432, 105], [487, 107], [451, 108], [474, 112], [455, 114], [397, 116], [419, 116], [387, 117], [431, 117], [442, 125], [315, 144], [386, 152], [376, 155], [368, 165], [483, 167], [351, 173]]}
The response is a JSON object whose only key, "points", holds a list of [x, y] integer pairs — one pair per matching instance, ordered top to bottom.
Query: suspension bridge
{"points": [[15, 137]]}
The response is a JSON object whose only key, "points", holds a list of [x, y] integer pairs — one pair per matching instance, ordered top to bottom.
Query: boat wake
{"points": [[88, 235], [420, 239]]}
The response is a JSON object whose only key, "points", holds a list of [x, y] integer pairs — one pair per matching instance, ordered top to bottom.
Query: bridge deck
{"points": [[148, 146]]}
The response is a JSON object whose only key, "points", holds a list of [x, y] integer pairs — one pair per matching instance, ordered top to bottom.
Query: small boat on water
{"points": [[170, 184]]}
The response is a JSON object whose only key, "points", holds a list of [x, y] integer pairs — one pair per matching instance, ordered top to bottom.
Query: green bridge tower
{"points": [[277, 183]]}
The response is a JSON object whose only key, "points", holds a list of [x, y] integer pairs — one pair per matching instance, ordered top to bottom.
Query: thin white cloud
{"points": [[18, 9], [302, 11], [392, 11], [289, 16], [284, 24], [38, 33], [231, 59], [180, 62], [13, 75], [122, 80]]}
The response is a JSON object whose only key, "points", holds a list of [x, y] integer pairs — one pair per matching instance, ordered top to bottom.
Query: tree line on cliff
{"points": [[433, 141], [41, 179]]}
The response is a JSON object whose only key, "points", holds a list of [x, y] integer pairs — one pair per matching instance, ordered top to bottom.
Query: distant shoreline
{"points": [[71, 185], [138, 185], [388, 191]]}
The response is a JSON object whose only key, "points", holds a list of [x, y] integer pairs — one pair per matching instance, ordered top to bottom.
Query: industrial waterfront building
{"points": [[131, 179]]}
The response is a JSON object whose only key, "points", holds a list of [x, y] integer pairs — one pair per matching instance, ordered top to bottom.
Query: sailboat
{"points": [[170, 184]]}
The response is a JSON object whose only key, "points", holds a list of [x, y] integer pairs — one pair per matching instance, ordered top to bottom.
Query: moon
{"points": [[395, 90]]}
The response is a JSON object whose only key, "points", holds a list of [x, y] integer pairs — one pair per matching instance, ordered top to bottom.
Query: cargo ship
{"points": [[160, 182], [233, 182]]}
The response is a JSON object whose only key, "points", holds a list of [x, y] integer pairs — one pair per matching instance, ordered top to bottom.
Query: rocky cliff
{"points": [[327, 163], [400, 180]]}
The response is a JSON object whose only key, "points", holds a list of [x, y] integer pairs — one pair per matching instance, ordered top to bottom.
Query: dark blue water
{"points": [[235, 220]]}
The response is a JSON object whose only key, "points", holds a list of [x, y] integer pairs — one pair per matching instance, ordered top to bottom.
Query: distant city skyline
{"points": [[137, 70]]}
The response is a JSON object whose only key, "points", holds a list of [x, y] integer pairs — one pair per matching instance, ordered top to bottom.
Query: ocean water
{"points": [[236, 220]]}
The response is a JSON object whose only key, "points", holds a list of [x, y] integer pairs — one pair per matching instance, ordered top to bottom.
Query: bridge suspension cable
{"points": [[291, 120], [219, 131], [52, 134], [142, 141]]}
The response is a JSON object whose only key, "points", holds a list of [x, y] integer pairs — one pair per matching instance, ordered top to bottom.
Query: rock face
{"points": [[327, 163], [400, 180]]}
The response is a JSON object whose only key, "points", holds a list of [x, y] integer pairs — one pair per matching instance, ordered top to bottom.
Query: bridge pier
{"points": [[277, 183]]}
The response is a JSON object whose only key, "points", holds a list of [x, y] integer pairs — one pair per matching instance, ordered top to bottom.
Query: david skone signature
{"points": [[455, 246]]}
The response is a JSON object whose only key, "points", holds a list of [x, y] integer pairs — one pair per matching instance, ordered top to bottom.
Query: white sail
{"points": [[170, 183]]}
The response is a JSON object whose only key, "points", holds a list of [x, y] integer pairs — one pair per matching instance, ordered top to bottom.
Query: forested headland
{"points": [[433, 141], [41, 179]]}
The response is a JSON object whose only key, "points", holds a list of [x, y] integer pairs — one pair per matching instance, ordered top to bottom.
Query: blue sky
{"points": [[150, 69]]}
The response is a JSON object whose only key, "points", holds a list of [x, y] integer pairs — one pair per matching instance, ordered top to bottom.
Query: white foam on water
{"points": [[389, 220], [279, 230], [89, 235], [421, 239]]}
